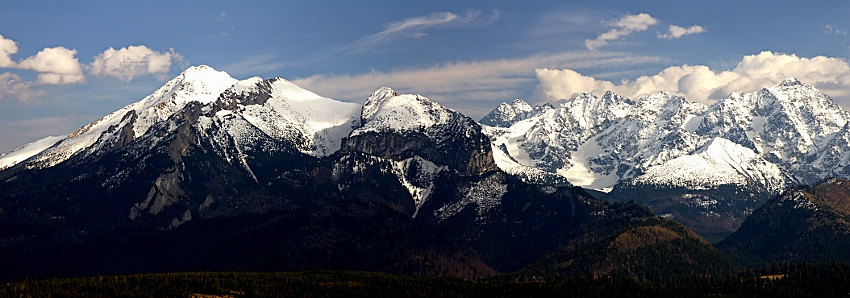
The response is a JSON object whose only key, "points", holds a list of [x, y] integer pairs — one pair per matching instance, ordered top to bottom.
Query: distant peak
{"points": [[199, 68], [203, 73], [790, 81], [384, 92], [659, 94], [585, 95], [376, 100], [520, 105]]}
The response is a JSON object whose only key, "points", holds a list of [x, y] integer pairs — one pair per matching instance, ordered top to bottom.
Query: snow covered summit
{"points": [[196, 84], [272, 109]]}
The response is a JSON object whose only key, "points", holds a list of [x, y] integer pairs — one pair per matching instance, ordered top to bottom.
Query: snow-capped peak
{"points": [[198, 83], [376, 101], [386, 110], [285, 111], [506, 114]]}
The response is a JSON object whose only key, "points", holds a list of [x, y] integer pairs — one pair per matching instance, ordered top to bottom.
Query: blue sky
{"points": [[64, 64]]}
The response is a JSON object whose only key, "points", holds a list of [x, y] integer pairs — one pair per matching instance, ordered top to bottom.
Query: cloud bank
{"points": [[700, 83], [472, 87]]}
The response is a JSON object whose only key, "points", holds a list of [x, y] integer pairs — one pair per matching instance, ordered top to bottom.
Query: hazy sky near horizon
{"points": [[64, 64]]}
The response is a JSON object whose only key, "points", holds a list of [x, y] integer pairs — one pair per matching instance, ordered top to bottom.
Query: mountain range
{"points": [[705, 166], [214, 173]]}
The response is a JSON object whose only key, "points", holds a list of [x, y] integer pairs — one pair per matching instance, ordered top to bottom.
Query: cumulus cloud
{"points": [[626, 25], [414, 27], [675, 31], [7, 48], [54, 60], [128, 63], [59, 65], [56, 66], [700, 83], [472, 87]]}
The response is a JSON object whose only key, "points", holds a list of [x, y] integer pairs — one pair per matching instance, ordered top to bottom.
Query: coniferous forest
{"points": [[775, 280]]}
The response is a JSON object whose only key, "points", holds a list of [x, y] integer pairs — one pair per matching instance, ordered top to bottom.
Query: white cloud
{"points": [[222, 16], [626, 25], [414, 27], [675, 31], [7, 48], [133, 61], [56, 66], [701, 84], [472, 87]]}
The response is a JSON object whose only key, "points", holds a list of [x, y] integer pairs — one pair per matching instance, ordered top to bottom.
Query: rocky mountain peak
{"points": [[790, 81], [376, 101], [386, 110], [506, 114], [402, 126]]}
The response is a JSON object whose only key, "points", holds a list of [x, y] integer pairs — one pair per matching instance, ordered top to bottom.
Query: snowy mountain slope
{"points": [[283, 111], [595, 142], [26, 151], [720, 162]]}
